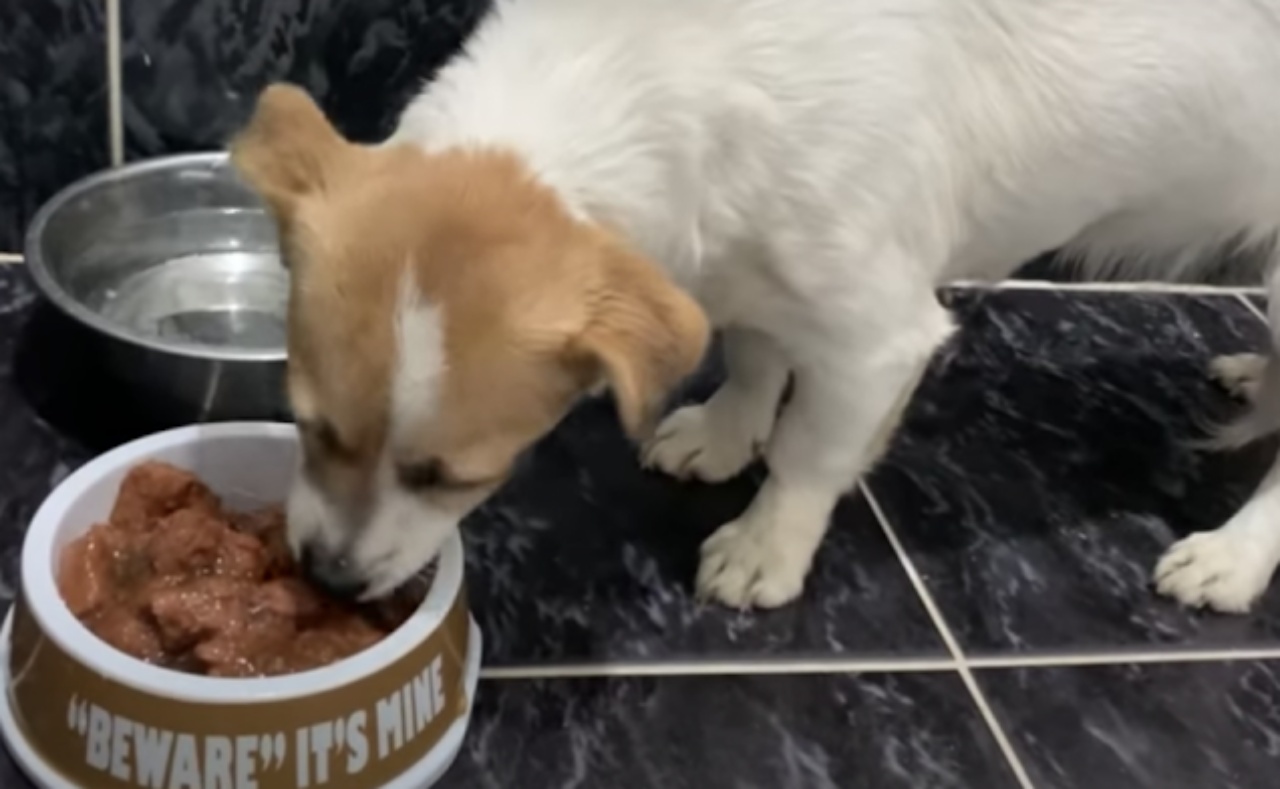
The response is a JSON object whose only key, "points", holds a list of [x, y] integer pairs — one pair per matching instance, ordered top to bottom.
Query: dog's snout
{"points": [[332, 572]]}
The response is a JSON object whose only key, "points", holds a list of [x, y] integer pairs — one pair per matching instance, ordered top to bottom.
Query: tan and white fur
{"points": [[592, 182]]}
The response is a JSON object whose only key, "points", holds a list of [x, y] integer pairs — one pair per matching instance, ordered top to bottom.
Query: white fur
{"points": [[811, 170], [419, 361], [1241, 374], [714, 441], [405, 528], [402, 530], [402, 534], [1229, 568]]}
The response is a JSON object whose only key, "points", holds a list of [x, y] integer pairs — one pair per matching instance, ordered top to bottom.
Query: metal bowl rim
{"points": [[64, 301]]}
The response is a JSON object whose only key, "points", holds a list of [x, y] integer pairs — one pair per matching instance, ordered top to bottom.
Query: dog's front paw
{"points": [[1239, 373], [701, 442], [749, 564], [1218, 569]]}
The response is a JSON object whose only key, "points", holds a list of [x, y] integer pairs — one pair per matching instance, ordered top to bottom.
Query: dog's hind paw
{"points": [[1239, 373]]}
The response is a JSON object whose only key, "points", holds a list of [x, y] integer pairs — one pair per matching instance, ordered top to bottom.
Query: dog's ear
{"points": [[288, 149], [643, 332]]}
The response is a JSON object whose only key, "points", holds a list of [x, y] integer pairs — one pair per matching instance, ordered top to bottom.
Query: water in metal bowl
{"points": [[174, 262], [218, 299], [233, 300]]}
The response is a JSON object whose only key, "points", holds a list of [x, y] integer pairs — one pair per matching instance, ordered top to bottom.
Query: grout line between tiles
{"points": [[115, 88], [1107, 287], [1262, 316], [949, 639], [1122, 658], [785, 666], [719, 669]]}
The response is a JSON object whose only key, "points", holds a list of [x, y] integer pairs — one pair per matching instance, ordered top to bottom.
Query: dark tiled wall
{"points": [[191, 69], [53, 103]]}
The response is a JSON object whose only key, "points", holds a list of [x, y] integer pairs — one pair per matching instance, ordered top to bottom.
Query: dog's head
{"points": [[446, 310]]}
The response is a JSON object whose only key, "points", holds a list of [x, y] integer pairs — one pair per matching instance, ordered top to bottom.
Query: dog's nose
{"points": [[333, 573]]}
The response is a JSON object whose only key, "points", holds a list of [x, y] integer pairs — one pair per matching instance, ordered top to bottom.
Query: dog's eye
{"points": [[325, 436], [432, 475], [422, 476]]}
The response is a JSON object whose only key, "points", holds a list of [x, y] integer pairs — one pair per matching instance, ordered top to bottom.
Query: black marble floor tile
{"points": [[193, 68], [53, 106], [33, 456], [1045, 464], [584, 557], [1181, 726], [801, 732], [11, 776]]}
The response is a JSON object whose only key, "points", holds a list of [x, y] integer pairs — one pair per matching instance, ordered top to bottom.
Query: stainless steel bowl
{"points": [[172, 265]]}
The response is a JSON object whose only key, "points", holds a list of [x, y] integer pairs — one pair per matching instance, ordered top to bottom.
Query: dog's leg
{"points": [[1241, 374], [853, 377], [714, 441], [1228, 569]]}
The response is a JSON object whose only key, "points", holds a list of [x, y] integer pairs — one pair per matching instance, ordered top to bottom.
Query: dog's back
{"points": [[983, 132], [1141, 134]]}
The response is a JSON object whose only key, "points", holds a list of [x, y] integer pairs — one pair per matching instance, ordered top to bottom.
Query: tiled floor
{"points": [[979, 615]]}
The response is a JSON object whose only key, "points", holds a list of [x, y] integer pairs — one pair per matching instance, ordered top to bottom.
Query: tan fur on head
{"points": [[288, 147], [511, 307]]}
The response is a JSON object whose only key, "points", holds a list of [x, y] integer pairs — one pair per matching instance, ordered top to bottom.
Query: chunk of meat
{"points": [[151, 491], [268, 526], [193, 542], [84, 570], [174, 580], [292, 598], [200, 609], [129, 632], [341, 637]]}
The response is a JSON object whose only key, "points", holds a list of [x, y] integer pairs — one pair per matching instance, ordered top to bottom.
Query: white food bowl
{"points": [[78, 713]]}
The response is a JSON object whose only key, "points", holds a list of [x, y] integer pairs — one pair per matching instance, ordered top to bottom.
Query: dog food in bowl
{"points": [[176, 580], [82, 713]]}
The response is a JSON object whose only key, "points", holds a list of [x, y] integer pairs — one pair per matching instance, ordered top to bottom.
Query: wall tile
{"points": [[192, 68], [53, 104]]}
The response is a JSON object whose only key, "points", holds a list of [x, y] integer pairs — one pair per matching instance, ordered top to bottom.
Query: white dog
{"points": [[593, 182]]}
